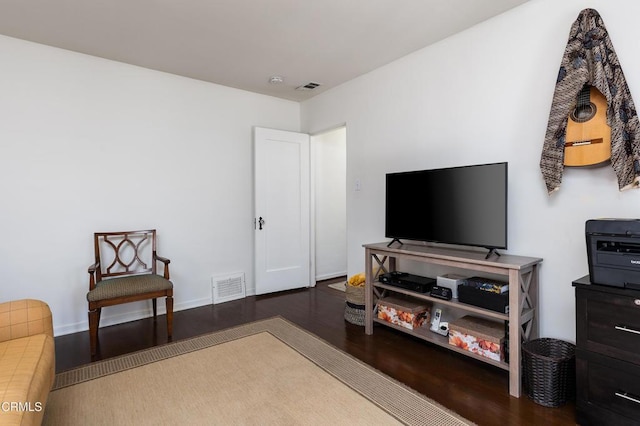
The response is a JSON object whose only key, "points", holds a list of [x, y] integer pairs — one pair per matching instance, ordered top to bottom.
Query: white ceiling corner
{"points": [[241, 43]]}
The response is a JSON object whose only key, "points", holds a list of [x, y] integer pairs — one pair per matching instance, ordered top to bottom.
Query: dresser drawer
{"points": [[609, 324], [610, 385]]}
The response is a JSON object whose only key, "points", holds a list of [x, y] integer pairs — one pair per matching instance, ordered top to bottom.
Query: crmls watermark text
{"points": [[6, 406]]}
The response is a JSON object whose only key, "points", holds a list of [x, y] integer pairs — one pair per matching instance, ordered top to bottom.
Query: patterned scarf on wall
{"points": [[589, 58]]}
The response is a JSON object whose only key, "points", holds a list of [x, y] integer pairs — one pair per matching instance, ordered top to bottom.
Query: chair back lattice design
{"points": [[125, 253]]}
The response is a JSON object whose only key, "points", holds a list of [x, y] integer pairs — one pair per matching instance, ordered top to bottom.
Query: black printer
{"points": [[613, 251]]}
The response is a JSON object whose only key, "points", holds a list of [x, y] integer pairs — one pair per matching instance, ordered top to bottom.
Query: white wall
{"points": [[484, 96], [94, 145], [330, 166]]}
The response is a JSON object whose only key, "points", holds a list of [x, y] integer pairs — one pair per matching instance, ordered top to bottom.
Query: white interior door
{"points": [[282, 215]]}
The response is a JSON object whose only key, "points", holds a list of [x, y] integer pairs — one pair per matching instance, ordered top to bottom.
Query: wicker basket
{"points": [[354, 294], [354, 308], [354, 313], [549, 371]]}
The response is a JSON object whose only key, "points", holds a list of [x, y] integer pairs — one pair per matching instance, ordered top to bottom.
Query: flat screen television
{"points": [[456, 205]]}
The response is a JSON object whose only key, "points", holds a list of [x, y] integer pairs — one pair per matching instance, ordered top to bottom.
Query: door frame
{"points": [[314, 171], [314, 175]]}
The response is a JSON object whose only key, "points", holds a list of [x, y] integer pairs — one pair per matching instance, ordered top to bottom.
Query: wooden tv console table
{"points": [[522, 273]]}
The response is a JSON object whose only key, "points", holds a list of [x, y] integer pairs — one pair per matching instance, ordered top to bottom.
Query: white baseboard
{"points": [[331, 276], [106, 320]]}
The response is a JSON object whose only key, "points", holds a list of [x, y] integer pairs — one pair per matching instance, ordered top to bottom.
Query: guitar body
{"points": [[588, 138]]}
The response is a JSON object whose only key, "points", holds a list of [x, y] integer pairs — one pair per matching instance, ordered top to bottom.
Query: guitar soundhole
{"points": [[583, 113]]}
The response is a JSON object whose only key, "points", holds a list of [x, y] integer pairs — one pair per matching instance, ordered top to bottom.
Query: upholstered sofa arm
{"points": [[22, 318]]}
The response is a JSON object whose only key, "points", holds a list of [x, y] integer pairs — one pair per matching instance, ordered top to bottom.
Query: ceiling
{"points": [[242, 43]]}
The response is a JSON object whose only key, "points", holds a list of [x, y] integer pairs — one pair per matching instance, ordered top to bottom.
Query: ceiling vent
{"points": [[309, 86]]}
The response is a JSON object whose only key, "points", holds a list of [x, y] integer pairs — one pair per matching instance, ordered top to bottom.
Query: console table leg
{"points": [[368, 293], [515, 333]]}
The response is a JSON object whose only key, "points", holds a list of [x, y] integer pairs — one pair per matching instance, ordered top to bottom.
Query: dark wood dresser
{"points": [[607, 354]]}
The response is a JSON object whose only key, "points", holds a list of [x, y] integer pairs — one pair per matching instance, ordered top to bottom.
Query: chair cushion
{"points": [[128, 286], [27, 371]]}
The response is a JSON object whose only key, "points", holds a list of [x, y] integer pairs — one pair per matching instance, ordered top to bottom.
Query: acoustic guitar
{"points": [[588, 138]]}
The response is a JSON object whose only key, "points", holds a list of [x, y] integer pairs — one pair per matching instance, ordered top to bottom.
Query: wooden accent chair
{"points": [[125, 271]]}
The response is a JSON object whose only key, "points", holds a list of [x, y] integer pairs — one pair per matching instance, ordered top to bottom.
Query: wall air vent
{"points": [[309, 86], [228, 287]]}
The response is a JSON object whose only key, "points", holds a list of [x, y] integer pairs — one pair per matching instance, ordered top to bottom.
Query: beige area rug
{"points": [[339, 286], [269, 372]]}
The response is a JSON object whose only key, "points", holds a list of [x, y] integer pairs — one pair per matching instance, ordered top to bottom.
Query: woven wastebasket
{"points": [[354, 306], [549, 371]]}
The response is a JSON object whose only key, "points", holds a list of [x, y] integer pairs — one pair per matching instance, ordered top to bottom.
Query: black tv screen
{"points": [[457, 205]]}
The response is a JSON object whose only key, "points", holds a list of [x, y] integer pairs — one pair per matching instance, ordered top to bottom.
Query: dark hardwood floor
{"points": [[475, 390]]}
